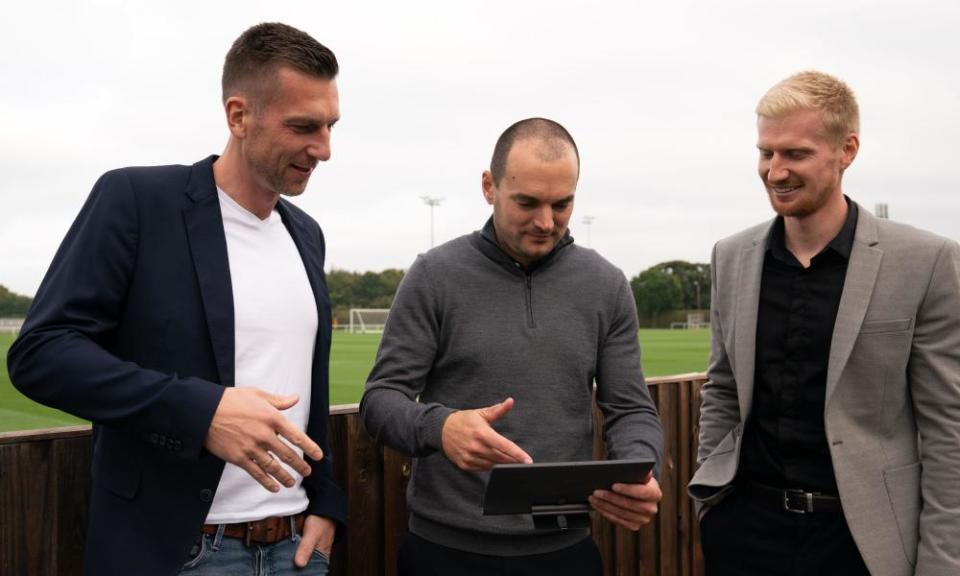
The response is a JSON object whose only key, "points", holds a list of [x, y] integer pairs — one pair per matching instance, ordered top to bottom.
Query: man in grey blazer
{"points": [[830, 424]]}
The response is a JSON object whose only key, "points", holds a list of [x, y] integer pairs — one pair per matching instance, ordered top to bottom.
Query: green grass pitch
{"points": [[664, 352], [17, 412]]}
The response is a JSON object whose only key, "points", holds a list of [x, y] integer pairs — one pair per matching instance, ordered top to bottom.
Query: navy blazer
{"points": [[133, 329]]}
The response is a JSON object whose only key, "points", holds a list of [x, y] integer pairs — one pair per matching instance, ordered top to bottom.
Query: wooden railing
{"points": [[44, 485]]}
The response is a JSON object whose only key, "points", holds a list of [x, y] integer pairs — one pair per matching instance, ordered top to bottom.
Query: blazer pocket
{"points": [[881, 326], [727, 444], [117, 468], [711, 482], [903, 489]]}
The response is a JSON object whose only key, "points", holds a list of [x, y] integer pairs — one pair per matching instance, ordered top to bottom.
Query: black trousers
{"points": [[744, 536], [419, 557]]}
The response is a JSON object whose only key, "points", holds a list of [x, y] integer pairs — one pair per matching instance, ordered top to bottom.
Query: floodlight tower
{"points": [[432, 202], [587, 221]]}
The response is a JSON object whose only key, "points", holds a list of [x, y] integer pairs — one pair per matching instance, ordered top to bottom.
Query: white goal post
{"points": [[368, 320]]}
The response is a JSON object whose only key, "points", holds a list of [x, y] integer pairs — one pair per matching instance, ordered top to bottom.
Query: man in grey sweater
{"points": [[489, 356]]}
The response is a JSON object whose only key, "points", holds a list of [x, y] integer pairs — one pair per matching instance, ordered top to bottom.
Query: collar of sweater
{"points": [[485, 240]]}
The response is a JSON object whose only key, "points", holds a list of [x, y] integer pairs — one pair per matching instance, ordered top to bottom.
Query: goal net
{"points": [[368, 320]]}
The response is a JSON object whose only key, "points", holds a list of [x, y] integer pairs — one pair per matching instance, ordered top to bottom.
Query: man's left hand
{"points": [[629, 505], [318, 533]]}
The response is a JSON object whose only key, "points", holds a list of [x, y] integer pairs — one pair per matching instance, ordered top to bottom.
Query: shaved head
{"points": [[554, 143]]}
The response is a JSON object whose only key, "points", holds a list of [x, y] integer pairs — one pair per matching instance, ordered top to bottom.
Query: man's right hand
{"points": [[248, 430], [472, 444]]}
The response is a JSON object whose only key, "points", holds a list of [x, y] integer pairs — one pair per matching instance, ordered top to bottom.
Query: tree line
{"points": [[665, 287], [671, 287], [361, 290], [663, 292], [13, 305]]}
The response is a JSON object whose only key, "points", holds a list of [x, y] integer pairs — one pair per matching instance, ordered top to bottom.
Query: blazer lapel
{"points": [[208, 246], [310, 252], [857, 290], [745, 333]]}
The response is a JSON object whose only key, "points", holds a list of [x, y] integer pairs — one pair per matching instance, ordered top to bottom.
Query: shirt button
{"points": [[206, 495]]}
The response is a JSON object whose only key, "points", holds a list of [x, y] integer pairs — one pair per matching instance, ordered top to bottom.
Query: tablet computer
{"points": [[556, 492]]}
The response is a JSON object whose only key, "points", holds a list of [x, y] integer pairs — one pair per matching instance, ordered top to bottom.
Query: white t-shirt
{"points": [[275, 326]]}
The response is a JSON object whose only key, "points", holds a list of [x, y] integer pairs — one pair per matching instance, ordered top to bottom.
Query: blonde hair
{"points": [[812, 90]]}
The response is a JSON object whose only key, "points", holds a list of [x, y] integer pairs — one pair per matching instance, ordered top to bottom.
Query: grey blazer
{"points": [[892, 410]]}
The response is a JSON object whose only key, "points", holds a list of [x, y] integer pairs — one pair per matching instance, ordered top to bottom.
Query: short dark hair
{"points": [[258, 53], [551, 133]]}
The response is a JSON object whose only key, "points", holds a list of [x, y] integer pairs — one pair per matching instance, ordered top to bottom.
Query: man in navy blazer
{"points": [[161, 322]]}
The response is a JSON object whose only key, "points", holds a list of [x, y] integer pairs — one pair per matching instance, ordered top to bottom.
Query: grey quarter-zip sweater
{"points": [[469, 327]]}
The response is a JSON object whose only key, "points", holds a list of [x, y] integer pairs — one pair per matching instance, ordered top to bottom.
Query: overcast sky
{"points": [[659, 96]]}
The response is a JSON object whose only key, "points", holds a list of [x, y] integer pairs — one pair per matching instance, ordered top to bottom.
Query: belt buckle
{"points": [[797, 501], [248, 535]]}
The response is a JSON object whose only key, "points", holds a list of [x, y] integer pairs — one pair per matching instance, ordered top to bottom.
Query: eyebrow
{"points": [[309, 120], [788, 149], [522, 196]]}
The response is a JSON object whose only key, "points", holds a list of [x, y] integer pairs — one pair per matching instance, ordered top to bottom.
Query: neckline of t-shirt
{"points": [[247, 217]]}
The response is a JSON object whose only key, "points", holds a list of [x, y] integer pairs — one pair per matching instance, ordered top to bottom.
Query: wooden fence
{"points": [[44, 484]]}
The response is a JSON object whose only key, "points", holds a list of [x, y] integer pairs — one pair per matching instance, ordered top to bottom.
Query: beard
{"points": [[276, 176], [803, 202]]}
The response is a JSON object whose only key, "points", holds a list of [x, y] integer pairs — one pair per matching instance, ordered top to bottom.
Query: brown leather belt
{"points": [[267, 531]]}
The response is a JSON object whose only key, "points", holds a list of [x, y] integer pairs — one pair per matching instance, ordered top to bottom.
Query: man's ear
{"points": [[238, 111], [851, 145], [489, 187]]}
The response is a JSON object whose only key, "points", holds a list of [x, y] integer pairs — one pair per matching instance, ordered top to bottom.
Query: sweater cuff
{"points": [[434, 420]]}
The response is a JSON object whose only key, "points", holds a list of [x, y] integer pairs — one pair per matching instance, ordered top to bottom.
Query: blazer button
{"points": [[206, 495]]}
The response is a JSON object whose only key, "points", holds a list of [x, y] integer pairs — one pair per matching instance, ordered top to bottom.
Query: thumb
{"points": [[281, 402], [497, 411], [304, 551]]}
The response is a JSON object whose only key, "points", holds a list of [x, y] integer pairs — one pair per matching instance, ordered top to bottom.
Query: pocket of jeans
{"points": [[200, 550], [321, 556], [320, 560]]}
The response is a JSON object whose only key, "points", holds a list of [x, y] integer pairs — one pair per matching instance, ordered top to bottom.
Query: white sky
{"points": [[658, 95]]}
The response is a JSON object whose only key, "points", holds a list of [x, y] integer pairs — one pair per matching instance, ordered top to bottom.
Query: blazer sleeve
{"points": [[62, 358], [934, 373], [719, 409]]}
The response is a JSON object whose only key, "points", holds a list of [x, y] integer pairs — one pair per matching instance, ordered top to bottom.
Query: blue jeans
{"points": [[219, 556]]}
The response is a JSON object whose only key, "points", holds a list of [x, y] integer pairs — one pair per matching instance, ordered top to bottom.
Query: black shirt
{"points": [[785, 443]]}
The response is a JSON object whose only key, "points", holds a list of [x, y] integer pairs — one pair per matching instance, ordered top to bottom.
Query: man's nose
{"points": [[319, 147], [777, 170], [543, 219]]}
